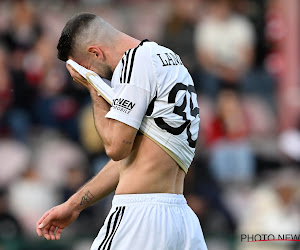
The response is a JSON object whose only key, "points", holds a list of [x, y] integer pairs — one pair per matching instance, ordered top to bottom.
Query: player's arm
{"points": [[118, 124], [117, 136], [97, 188], [56, 219]]}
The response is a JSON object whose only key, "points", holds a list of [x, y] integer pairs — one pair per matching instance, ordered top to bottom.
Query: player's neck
{"points": [[123, 44]]}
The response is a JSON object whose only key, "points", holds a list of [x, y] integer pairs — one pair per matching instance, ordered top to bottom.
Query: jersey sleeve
{"points": [[135, 90]]}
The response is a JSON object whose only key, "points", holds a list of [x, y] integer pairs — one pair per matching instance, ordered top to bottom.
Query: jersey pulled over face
{"points": [[155, 93]]}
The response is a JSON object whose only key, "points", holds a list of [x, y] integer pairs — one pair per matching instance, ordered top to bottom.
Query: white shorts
{"points": [[150, 222]]}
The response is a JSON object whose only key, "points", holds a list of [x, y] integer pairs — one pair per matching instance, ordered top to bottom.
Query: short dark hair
{"points": [[68, 35]]}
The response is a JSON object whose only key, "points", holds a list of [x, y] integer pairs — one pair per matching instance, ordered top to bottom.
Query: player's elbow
{"points": [[117, 153]]}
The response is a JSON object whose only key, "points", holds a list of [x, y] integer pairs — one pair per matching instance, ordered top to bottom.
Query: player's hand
{"points": [[77, 77], [52, 223]]}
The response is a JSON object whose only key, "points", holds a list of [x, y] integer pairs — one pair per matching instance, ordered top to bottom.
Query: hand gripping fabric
{"points": [[95, 80]]}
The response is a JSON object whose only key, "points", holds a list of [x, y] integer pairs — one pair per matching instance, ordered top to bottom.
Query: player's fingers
{"points": [[70, 68], [73, 72], [76, 76], [81, 81], [43, 217], [45, 221], [39, 224], [39, 231], [46, 232], [51, 232], [58, 233]]}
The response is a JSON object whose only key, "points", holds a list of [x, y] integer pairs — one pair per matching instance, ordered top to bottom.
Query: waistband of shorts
{"points": [[155, 198]]}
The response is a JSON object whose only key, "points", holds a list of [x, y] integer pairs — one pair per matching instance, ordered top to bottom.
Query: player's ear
{"points": [[95, 51]]}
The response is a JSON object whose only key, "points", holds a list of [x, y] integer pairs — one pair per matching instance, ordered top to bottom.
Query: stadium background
{"points": [[244, 60]]}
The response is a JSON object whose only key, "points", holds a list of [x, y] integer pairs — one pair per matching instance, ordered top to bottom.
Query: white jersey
{"points": [[155, 94]]}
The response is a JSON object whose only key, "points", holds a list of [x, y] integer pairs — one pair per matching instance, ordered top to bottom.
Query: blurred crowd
{"points": [[244, 179]]}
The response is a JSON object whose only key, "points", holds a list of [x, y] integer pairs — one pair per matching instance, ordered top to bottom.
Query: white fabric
{"points": [[102, 88], [150, 222]]}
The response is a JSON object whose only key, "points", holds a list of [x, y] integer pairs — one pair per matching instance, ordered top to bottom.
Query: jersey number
{"points": [[179, 110]]}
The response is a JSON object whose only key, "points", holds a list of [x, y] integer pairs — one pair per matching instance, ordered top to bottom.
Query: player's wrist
{"points": [[74, 204]]}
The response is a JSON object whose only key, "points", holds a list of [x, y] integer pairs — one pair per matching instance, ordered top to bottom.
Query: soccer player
{"points": [[149, 132]]}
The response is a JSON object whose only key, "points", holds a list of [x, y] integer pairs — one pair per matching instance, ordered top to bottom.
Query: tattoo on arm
{"points": [[127, 142], [86, 198]]}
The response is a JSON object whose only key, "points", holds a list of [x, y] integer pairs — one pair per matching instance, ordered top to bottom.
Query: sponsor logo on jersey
{"points": [[123, 105]]}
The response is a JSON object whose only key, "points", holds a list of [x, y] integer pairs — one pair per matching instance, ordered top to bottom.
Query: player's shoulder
{"points": [[151, 48], [145, 50], [159, 55], [139, 56], [148, 59], [137, 65]]}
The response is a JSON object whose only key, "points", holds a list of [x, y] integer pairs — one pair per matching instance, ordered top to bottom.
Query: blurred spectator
{"points": [[146, 19], [25, 26], [180, 28], [275, 31], [20, 38], [225, 44], [5, 83], [5, 91], [53, 108], [13, 118], [261, 120], [263, 131], [89, 136], [91, 141], [289, 145], [54, 156], [15, 157], [231, 157], [75, 178], [29, 197], [205, 197], [273, 209], [89, 219], [10, 228]]}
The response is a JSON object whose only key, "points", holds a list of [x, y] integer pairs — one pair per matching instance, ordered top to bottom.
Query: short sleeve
{"points": [[135, 89]]}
